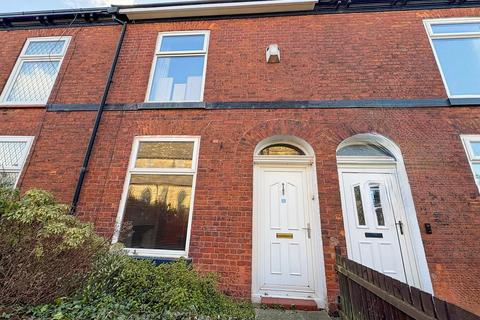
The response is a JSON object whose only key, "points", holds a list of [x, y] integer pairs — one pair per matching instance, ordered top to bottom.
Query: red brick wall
{"points": [[345, 56], [323, 57], [85, 67], [61, 138], [435, 160]]}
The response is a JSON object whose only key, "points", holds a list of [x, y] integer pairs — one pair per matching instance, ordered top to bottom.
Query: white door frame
{"points": [[308, 162], [395, 202], [415, 248]]}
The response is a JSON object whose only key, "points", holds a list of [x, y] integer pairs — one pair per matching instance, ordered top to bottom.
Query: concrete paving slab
{"points": [[276, 314]]}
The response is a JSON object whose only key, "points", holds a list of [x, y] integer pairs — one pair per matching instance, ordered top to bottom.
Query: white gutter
{"points": [[214, 9]]}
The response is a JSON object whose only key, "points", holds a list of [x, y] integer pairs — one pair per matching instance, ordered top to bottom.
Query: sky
{"points": [[35, 5]]}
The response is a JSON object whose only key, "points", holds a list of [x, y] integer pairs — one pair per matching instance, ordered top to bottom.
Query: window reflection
{"points": [[455, 28], [183, 43], [461, 75], [178, 79], [475, 148], [281, 150], [164, 155], [476, 170], [377, 204], [359, 205], [157, 211]]}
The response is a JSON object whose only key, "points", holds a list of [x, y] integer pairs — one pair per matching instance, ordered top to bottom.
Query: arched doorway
{"points": [[381, 227], [287, 245]]}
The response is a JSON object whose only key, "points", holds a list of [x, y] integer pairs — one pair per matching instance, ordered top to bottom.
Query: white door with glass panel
{"points": [[372, 213], [285, 230]]}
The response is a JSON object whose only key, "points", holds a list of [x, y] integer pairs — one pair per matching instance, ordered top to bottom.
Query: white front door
{"points": [[375, 227], [285, 252]]}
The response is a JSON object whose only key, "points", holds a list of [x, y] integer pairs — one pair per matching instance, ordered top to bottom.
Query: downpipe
{"points": [[98, 118]]}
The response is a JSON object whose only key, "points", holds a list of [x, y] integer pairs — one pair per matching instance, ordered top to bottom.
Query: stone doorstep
{"points": [[290, 304], [276, 314]]}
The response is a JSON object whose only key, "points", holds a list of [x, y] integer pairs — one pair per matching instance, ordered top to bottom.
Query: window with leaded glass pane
{"points": [[34, 74], [13, 153], [157, 207]]}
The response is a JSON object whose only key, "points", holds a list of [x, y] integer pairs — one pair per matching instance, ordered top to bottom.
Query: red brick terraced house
{"points": [[255, 137]]}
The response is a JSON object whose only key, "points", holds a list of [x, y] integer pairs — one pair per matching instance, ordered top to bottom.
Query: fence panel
{"points": [[366, 294]]}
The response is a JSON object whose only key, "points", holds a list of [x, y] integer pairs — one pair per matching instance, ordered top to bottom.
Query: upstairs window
{"points": [[456, 45], [178, 71], [34, 74], [472, 147], [13, 153], [156, 210]]}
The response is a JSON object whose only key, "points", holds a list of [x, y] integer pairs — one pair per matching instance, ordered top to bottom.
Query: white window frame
{"points": [[428, 23], [167, 54], [22, 58], [472, 159], [18, 169], [170, 171]]}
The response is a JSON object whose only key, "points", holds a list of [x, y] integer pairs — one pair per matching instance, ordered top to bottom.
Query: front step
{"points": [[290, 304], [275, 314]]}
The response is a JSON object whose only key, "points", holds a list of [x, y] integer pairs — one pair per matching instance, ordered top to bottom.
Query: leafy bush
{"points": [[44, 252], [54, 267], [121, 287]]}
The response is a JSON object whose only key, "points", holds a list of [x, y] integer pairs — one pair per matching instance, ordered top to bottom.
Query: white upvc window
{"points": [[456, 46], [179, 67], [35, 71], [471, 143], [13, 154], [155, 213]]}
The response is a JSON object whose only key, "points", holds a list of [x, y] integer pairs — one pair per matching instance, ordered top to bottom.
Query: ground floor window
{"points": [[472, 147], [13, 154], [155, 213]]}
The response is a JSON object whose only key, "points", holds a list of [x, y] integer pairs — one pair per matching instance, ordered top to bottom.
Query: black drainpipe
{"points": [[91, 142]]}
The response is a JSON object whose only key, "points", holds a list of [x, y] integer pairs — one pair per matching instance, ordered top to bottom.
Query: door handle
{"points": [[400, 226], [309, 230]]}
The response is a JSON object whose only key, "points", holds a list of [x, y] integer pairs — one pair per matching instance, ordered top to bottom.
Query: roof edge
{"points": [[215, 8], [110, 10], [181, 10], [58, 18]]}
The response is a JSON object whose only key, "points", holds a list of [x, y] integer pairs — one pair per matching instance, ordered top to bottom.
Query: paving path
{"points": [[275, 314]]}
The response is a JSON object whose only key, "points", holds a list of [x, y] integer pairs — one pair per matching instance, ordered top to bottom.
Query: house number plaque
{"points": [[284, 235]]}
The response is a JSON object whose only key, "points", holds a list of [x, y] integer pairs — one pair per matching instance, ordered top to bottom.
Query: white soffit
{"points": [[217, 9]]}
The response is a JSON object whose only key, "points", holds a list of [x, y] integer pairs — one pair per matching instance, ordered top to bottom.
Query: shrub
{"points": [[44, 252], [54, 267], [121, 287]]}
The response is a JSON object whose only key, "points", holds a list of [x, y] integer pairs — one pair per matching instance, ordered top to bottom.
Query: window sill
{"points": [[459, 101], [22, 105], [171, 105], [156, 253], [160, 260]]}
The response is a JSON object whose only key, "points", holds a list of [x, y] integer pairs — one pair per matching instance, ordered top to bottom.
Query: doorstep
{"points": [[290, 304], [276, 314]]}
